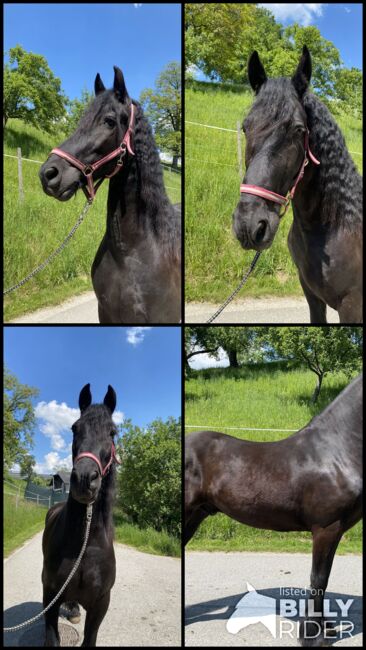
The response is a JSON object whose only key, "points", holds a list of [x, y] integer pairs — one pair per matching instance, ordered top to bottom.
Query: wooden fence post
{"points": [[239, 151], [20, 175]]}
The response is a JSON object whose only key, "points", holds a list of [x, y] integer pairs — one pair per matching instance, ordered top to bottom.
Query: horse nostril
{"points": [[51, 173], [260, 232]]}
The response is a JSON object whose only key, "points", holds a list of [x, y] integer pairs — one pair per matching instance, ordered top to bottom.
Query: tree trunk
{"points": [[233, 358], [318, 386]]}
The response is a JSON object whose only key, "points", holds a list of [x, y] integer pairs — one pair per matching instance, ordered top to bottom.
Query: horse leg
{"points": [[318, 308], [350, 310], [193, 519], [325, 542], [94, 617], [52, 637]]}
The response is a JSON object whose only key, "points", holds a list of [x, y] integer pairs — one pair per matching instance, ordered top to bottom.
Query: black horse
{"points": [[286, 125], [137, 269], [310, 481], [92, 482]]}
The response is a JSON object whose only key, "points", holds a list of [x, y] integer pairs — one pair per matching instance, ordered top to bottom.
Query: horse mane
{"points": [[340, 182], [154, 207]]}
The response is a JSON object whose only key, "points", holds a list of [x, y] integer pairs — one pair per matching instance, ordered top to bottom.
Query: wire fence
{"points": [[229, 150], [21, 159]]}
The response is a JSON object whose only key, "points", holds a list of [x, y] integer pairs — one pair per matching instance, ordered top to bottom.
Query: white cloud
{"points": [[304, 14], [135, 335], [205, 360], [118, 417], [56, 419]]}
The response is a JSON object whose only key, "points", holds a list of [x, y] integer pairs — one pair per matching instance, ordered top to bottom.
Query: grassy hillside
{"points": [[34, 228], [214, 259], [260, 397]]}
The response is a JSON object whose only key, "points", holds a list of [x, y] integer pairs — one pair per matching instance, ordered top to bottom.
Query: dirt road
{"points": [[256, 310], [215, 583], [145, 608]]}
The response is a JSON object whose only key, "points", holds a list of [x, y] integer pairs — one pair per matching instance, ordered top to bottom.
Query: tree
{"points": [[31, 91], [163, 108], [198, 340], [322, 349], [19, 420], [26, 466], [150, 474]]}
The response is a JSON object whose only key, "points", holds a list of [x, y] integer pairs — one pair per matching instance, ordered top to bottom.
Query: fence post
{"points": [[239, 152], [20, 174]]}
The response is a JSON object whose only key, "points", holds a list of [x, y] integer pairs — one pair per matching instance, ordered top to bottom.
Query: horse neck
{"points": [[138, 207], [102, 509]]}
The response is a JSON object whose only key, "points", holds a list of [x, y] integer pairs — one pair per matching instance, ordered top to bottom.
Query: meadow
{"points": [[35, 227], [214, 259], [263, 397], [23, 519]]}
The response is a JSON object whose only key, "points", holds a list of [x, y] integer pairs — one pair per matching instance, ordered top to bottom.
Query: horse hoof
{"points": [[74, 619]]}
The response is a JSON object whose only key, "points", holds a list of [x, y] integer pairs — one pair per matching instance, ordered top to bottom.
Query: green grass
{"points": [[35, 227], [214, 259], [259, 397], [23, 519], [147, 540]]}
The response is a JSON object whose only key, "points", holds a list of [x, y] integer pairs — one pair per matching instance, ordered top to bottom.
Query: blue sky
{"points": [[79, 40], [142, 364]]}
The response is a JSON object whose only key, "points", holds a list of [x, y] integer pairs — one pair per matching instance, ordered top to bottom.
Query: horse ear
{"points": [[256, 72], [302, 76], [98, 85], [119, 85], [85, 398], [110, 399]]}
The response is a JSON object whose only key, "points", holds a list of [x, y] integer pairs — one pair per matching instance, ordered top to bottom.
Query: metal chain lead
{"points": [[54, 254], [232, 296], [89, 513]]}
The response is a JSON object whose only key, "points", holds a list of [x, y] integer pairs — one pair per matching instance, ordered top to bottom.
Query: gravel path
{"points": [[81, 309], [256, 310], [215, 582], [145, 608]]}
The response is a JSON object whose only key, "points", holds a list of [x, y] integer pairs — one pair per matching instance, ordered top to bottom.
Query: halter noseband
{"points": [[89, 168], [278, 198], [88, 454]]}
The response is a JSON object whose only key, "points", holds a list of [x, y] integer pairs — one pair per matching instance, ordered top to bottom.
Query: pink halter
{"points": [[89, 169], [278, 198], [88, 454]]}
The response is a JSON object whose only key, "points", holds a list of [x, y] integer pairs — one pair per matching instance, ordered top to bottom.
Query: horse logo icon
{"points": [[253, 608]]}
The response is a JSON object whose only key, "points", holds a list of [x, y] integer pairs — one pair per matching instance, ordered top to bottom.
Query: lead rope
{"points": [[55, 252], [242, 282], [89, 513]]}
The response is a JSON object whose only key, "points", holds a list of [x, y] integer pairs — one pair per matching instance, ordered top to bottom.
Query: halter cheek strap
{"points": [[88, 169], [279, 198]]}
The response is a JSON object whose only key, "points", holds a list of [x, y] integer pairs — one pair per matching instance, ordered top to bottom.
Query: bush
{"points": [[150, 477]]}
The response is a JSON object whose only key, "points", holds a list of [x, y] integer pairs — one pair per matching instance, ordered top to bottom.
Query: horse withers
{"points": [[295, 151], [310, 481], [92, 482]]}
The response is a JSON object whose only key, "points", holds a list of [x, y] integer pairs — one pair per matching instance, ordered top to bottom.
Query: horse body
{"points": [[286, 125], [136, 272], [310, 481], [66, 525]]}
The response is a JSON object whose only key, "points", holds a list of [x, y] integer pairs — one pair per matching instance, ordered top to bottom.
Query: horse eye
{"points": [[109, 121]]}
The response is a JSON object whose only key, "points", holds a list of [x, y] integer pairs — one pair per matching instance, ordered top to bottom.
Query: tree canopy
{"points": [[220, 37], [32, 93], [163, 108], [19, 421]]}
